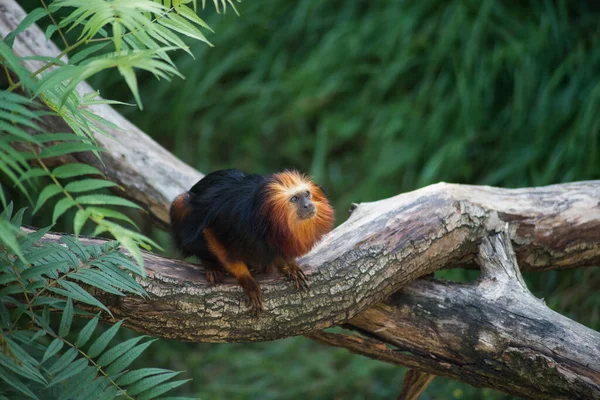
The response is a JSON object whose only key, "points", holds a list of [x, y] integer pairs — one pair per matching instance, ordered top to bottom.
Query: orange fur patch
{"points": [[180, 207], [293, 236], [237, 269]]}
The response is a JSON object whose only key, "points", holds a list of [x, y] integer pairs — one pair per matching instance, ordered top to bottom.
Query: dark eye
{"points": [[307, 193], [294, 199]]}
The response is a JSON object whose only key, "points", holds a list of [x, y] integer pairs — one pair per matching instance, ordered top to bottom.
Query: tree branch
{"points": [[382, 247], [493, 333]]}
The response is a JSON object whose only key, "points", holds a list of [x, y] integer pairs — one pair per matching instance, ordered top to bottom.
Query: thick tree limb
{"points": [[382, 247], [475, 333], [493, 333]]}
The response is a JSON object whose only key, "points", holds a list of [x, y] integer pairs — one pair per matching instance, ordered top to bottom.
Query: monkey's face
{"points": [[303, 204], [298, 211]]}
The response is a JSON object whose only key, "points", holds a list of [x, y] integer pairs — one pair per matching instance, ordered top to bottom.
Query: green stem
{"points": [[64, 39], [10, 81]]}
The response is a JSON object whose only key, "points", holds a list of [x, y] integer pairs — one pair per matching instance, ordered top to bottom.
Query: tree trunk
{"points": [[492, 333]]}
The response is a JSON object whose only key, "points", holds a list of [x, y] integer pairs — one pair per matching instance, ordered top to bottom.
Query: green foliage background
{"points": [[375, 99]]}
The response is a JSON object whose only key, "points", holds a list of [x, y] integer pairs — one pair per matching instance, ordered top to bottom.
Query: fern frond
{"points": [[43, 361]]}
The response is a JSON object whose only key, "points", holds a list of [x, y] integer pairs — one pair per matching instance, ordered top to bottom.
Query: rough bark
{"points": [[477, 333]]}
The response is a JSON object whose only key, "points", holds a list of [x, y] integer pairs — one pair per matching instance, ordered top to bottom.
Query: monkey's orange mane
{"points": [[295, 237]]}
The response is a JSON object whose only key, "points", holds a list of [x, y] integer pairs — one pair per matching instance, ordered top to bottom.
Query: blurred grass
{"points": [[375, 99]]}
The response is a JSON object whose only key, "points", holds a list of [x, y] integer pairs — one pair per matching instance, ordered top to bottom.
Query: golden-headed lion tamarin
{"points": [[232, 221]]}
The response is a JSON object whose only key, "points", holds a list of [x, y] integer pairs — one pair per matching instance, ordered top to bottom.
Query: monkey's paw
{"points": [[294, 271], [214, 276], [254, 303]]}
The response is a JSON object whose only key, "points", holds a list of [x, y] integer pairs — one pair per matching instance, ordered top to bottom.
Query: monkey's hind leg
{"points": [[292, 270], [240, 271], [250, 286]]}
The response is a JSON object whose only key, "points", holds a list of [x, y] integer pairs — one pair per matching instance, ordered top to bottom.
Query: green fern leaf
{"points": [[189, 14], [30, 19], [179, 24], [50, 31], [117, 35], [84, 54], [13, 63], [131, 80], [18, 120], [17, 132], [59, 137], [67, 148], [75, 169], [8, 170], [33, 173], [87, 185], [48, 192], [2, 196], [105, 199], [61, 207], [7, 212], [107, 212], [17, 219], [79, 220], [8, 237], [27, 240], [76, 247], [133, 248], [51, 252], [119, 260], [49, 270], [8, 277], [96, 279], [125, 280], [108, 281], [10, 290], [75, 291], [46, 300], [5, 316], [66, 320], [85, 334], [100, 344], [52, 349], [120, 349], [126, 359], [64, 360], [25, 369], [73, 369], [135, 375], [14, 382], [81, 382], [149, 383], [159, 390], [91, 391], [108, 394], [178, 398]]}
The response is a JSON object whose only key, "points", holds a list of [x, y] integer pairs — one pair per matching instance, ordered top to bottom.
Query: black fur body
{"points": [[228, 203]]}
